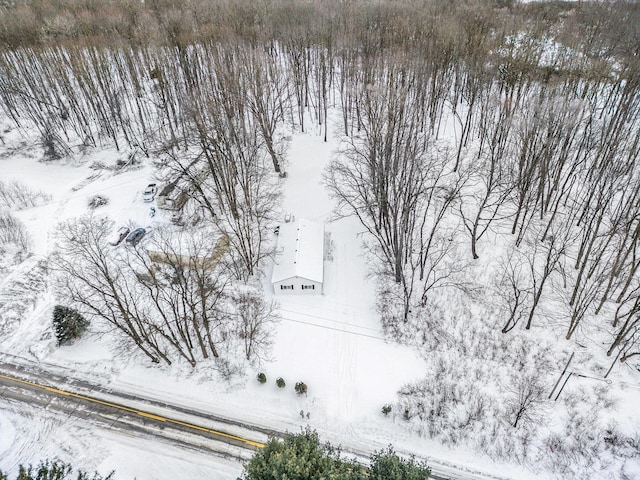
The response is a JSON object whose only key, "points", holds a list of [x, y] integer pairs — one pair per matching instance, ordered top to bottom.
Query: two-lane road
{"points": [[116, 415], [169, 423]]}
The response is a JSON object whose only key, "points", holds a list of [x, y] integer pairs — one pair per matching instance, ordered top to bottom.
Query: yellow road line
{"points": [[141, 413], [151, 416]]}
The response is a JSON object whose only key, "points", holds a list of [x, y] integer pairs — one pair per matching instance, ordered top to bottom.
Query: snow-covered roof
{"points": [[300, 251]]}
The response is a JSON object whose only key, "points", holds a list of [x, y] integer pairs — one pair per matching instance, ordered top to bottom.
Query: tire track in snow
{"points": [[21, 291], [344, 349], [28, 436]]}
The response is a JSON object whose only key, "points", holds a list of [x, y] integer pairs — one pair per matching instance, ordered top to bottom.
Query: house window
{"points": [[286, 287], [308, 287]]}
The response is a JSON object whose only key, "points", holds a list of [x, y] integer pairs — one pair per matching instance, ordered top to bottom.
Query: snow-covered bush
{"points": [[17, 195], [97, 201], [12, 231], [262, 378], [280, 382], [301, 388], [489, 391], [53, 469]]}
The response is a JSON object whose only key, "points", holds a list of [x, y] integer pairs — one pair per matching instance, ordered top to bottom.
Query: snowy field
{"points": [[334, 342]]}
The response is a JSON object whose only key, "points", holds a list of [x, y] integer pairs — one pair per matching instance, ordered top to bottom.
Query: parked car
{"points": [[150, 192], [120, 235], [135, 236]]}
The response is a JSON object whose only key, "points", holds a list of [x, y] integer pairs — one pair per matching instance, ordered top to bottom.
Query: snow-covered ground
{"points": [[331, 342], [30, 438]]}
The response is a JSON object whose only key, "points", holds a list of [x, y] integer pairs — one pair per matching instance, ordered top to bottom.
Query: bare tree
{"points": [[268, 97], [229, 164], [385, 176], [397, 181], [489, 185], [17, 195], [544, 259], [181, 275], [94, 282], [514, 288], [167, 294], [255, 319], [627, 322], [527, 401]]}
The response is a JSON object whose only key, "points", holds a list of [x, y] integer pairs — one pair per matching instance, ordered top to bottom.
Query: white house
{"points": [[299, 259]]}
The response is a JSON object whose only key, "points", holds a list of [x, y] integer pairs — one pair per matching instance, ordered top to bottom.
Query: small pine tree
{"points": [[51, 151], [68, 324], [262, 378], [280, 382], [301, 388], [386, 409], [387, 465], [53, 470], [25, 473]]}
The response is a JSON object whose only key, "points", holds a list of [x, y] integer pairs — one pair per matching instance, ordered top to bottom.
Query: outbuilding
{"points": [[299, 260]]}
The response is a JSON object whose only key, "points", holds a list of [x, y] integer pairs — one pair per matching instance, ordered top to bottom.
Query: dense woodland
{"points": [[542, 99], [463, 124]]}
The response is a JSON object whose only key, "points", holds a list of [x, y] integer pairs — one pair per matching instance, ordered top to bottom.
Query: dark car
{"points": [[120, 235], [135, 236]]}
